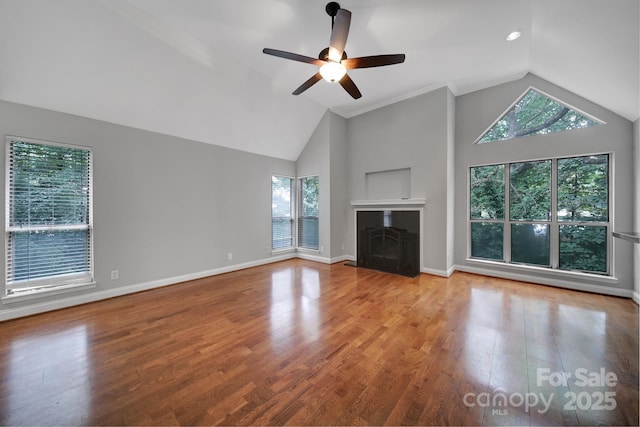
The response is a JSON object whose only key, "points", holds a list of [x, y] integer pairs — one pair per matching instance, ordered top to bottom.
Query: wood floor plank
{"points": [[302, 343]]}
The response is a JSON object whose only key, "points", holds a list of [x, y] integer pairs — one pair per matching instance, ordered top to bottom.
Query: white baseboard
{"points": [[313, 257], [342, 259], [324, 260], [442, 273], [566, 284], [31, 309]]}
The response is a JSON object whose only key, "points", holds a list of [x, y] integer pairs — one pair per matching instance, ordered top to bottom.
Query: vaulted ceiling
{"points": [[195, 68]]}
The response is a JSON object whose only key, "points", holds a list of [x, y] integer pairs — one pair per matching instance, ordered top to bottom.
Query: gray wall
{"points": [[476, 111], [414, 134], [325, 155], [314, 160], [339, 162], [164, 207], [169, 209]]}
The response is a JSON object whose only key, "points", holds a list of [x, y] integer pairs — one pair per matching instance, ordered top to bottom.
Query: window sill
{"points": [[290, 249], [308, 250], [542, 271], [54, 290]]}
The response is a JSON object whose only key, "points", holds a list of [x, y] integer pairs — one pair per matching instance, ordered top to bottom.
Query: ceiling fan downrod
{"points": [[332, 9]]}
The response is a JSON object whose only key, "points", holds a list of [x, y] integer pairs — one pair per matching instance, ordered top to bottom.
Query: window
{"points": [[535, 113], [282, 208], [487, 211], [530, 212], [583, 212], [308, 213], [555, 213], [49, 228]]}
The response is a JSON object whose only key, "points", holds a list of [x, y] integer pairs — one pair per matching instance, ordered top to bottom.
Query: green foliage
{"points": [[535, 114], [50, 185], [281, 187], [583, 188], [310, 191], [530, 191], [487, 192], [582, 197], [282, 220], [308, 235], [486, 240], [530, 244], [583, 248]]}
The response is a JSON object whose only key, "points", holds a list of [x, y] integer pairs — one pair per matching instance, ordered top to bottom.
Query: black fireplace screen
{"points": [[388, 240]]}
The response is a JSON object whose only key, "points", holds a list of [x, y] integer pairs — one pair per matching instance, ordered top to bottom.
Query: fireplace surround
{"points": [[388, 235]]}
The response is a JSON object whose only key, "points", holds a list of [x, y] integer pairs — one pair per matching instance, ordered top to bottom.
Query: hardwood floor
{"points": [[311, 344]]}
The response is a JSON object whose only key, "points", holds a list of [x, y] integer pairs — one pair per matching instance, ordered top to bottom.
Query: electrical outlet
{"points": [[229, 256], [115, 274]]}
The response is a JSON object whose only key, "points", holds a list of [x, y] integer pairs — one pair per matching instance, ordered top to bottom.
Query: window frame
{"points": [[542, 93], [292, 213], [299, 216], [553, 223], [57, 282]]}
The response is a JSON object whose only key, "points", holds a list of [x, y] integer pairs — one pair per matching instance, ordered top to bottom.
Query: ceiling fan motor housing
{"points": [[324, 54]]}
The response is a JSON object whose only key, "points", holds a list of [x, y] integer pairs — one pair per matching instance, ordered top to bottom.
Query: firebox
{"points": [[388, 240]]}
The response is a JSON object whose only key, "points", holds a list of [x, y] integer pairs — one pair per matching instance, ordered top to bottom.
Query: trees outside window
{"points": [[535, 114], [557, 210], [487, 211], [282, 212], [308, 212], [583, 212], [49, 227]]}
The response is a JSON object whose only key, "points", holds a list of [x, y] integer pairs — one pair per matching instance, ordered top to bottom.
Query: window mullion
{"points": [[507, 214], [571, 233], [554, 243]]}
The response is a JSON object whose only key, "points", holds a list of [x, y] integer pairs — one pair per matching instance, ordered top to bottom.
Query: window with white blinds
{"points": [[282, 212], [308, 212], [49, 227]]}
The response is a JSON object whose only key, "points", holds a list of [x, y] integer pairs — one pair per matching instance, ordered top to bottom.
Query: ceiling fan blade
{"points": [[339, 34], [293, 56], [373, 61], [306, 85], [350, 86]]}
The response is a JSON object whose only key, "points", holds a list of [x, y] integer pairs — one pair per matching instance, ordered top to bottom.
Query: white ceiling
{"points": [[195, 68]]}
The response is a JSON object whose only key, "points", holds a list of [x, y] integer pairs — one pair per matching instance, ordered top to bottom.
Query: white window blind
{"points": [[308, 212], [282, 217], [48, 230]]}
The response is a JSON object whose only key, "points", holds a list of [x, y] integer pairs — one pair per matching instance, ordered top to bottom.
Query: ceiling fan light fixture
{"points": [[333, 60], [332, 71]]}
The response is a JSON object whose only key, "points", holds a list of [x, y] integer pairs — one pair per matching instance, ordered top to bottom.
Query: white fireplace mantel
{"points": [[390, 203]]}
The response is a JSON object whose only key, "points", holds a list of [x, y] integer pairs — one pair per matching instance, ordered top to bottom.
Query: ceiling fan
{"points": [[333, 60]]}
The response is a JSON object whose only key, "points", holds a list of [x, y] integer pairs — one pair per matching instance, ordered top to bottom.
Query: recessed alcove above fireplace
{"points": [[389, 235]]}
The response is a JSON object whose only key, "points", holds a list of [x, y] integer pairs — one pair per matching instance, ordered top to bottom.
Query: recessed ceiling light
{"points": [[513, 35]]}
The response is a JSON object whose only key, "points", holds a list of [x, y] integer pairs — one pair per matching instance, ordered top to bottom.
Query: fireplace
{"points": [[389, 240]]}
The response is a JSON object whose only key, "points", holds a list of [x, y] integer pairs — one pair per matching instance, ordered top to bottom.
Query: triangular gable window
{"points": [[536, 113]]}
